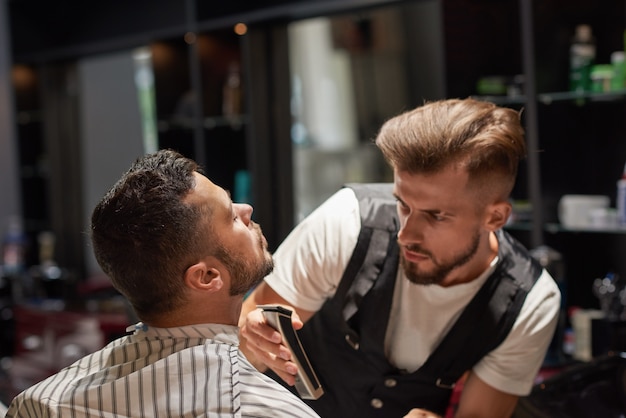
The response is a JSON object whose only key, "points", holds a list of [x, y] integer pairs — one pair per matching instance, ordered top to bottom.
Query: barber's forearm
{"points": [[480, 400]]}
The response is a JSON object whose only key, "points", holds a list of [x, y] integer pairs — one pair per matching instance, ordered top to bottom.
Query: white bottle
{"points": [[621, 199]]}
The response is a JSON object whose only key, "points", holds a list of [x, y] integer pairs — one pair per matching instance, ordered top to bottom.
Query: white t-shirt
{"points": [[309, 265]]}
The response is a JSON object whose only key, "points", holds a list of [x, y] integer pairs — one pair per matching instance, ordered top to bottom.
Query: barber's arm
{"points": [[261, 344], [513, 365], [480, 400]]}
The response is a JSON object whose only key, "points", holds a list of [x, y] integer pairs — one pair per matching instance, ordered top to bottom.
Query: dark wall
{"points": [[582, 144]]}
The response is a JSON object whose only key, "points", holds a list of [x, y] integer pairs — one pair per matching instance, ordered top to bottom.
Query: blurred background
{"points": [[280, 101]]}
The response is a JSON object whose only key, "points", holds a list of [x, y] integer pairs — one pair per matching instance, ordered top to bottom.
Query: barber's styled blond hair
{"points": [[484, 139]]}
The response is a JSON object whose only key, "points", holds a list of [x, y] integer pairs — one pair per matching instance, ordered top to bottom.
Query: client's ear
{"points": [[201, 276]]}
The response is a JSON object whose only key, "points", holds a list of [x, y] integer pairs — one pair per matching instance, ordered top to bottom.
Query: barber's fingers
{"points": [[296, 322], [256, 329], [265, 344], [286, 370], [421, 413]]}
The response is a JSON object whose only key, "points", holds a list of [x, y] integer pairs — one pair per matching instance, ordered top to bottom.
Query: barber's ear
{"points": [[497, 215], [201, 276]]}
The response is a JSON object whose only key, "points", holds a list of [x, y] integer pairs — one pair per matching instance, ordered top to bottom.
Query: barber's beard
{"points": [[441, 269]]}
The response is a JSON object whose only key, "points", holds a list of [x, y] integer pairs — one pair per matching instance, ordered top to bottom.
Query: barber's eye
{"points": [[438, 217]]}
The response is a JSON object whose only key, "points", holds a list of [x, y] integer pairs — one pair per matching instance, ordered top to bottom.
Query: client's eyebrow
{"points": [[232, 213]]}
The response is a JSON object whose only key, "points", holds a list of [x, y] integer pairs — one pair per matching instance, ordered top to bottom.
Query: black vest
{"points": [[345, 339]]}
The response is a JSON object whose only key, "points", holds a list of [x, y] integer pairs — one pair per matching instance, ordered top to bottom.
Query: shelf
{"points": [[558, 96], [565, 96], [502, 100], [555, 228]]}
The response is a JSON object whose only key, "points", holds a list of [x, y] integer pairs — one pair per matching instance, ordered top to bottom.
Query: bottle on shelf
{"points": [[582, 56], [618, 64], [601, 78], [232, 93], [621, 199], [13, 247], [12, 263], [52, 281]]}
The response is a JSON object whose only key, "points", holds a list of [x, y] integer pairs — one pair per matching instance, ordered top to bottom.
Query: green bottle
{"points": [[582, 56], [618, 63]]}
